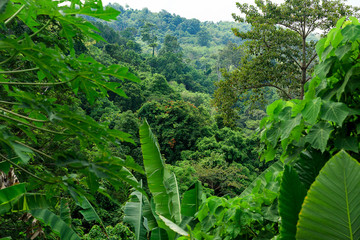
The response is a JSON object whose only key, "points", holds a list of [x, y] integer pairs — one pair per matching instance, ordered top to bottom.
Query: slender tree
{"points": [[148, 36]]}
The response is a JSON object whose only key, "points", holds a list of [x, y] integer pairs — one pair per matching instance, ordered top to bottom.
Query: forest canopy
{"points": [[108, 128]]}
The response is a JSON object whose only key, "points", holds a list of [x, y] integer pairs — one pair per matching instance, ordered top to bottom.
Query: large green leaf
{"points": [[351, 32], [311, 110], [334, 111], [288, 125], [319, 135], [349, 143], [309, 165], [273, 170], [156, 172], [9, 193], [292, 194], [174, 195], [191, 200], [331, 209], [88, 211], [134, 215], [57, 225], [173, 226], [159, 234]]}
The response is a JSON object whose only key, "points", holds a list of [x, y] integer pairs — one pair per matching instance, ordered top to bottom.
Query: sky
{"points": [[204, 10]]}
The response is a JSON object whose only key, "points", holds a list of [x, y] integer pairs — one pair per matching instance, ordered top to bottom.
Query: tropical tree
{"points": [[148, 35], [280, 51], [55, 153]]}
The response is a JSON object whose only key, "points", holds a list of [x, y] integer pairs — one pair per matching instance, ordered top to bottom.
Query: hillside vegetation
{"points": [[109, 128]]}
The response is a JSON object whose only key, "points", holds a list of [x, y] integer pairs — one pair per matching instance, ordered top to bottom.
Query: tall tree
{"points": [[148, 36], [279, 53]]}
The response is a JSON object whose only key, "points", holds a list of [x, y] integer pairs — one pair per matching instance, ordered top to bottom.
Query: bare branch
{"points": [[311, 59]]}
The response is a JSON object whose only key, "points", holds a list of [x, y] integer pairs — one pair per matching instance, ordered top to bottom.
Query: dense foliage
{"points": [[52, 154], [74, 164]]}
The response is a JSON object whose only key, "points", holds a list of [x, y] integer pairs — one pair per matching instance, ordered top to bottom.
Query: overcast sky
{"points": [[204, 10]]}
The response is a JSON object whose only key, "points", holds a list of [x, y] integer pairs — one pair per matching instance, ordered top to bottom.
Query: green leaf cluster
{"points": [[319, 140], [58, 152]]}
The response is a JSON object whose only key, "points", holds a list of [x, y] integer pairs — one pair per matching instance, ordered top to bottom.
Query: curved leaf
{"points": [[319, 135], [309, 165], [155, 170], [273, 170], [9, 193], [292, 194], [174, 195], [191, 200], [331, 209], [138, 213], [56, 224], [173, 226]]}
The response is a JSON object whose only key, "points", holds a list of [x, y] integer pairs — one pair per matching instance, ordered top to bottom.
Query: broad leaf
{"points": [[351, 32], [322, 69], [354, 70], [312, 110], [334, 111], [288, 125], [319, 135], [347, 143], [309, 165], [155, 170], [274, 170], [173, 192], [9, 193], [292, 194], [191, 200], [331, 208], [88, 211], [134, 215], [57, 225], [173, 226], [159, 234]]}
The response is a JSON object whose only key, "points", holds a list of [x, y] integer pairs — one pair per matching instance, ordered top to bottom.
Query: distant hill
{"points": [[197, 39]]}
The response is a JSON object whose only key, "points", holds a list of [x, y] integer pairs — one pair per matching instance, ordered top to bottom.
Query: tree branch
{"points": [[16, 13], [290, 27], [42, 28], [8, 59], [311, 59], [297, 63], [20, 71], [38, 84], [268, 85], [11, 103], [22, 116], [33, 126], [35, 150], [24, 170]]}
